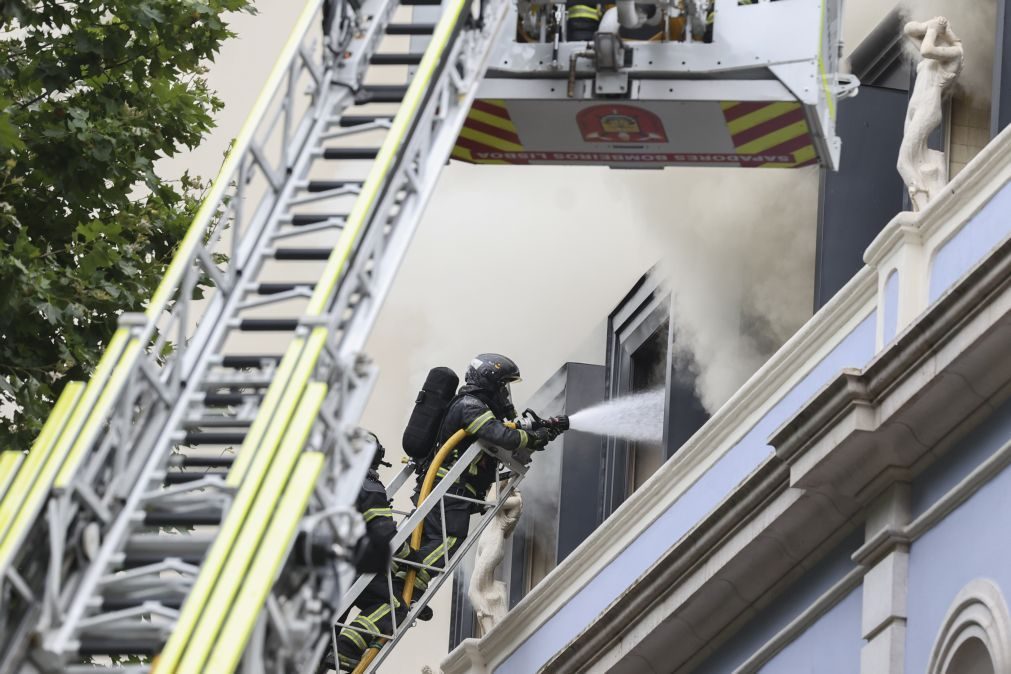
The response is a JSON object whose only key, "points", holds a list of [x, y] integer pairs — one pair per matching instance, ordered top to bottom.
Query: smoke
{"points": [[973, 21], [738, 256]]}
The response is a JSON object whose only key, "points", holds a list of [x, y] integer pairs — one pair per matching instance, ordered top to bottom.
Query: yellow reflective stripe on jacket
{"points": [[584, 12], [480, 422], [524, 439], [373, 513]]}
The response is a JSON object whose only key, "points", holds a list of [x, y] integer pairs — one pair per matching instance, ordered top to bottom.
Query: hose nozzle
{"points": [[531, 421]]}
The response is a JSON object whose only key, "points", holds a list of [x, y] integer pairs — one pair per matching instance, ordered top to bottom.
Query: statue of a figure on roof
{"points": [[925, 171], [487, 595]]}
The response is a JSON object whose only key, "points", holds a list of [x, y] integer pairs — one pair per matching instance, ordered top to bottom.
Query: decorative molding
{"points": [[978, 612]]}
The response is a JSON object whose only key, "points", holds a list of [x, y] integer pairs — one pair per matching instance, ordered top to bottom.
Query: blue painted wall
{"points": [[971, 244], [962, 459], [972, 542], [842, 621], [830, 646]]}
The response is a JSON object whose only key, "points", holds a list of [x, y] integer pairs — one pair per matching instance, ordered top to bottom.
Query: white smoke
{"points": [[974, 22], [739, 260]]}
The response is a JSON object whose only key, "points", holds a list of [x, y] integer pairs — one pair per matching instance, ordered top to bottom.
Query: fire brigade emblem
{"points": [[620, 124]]}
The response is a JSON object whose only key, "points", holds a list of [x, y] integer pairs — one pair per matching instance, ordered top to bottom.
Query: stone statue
{"points": [[924, 170], [487, 595]]}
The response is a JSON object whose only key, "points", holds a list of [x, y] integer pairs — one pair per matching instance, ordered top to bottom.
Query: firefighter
{"points": [[582, 21], [480, 407], [372, 555]]}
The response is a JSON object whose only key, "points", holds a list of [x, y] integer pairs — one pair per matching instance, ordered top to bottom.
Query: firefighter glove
{"points": [[541, 437]]}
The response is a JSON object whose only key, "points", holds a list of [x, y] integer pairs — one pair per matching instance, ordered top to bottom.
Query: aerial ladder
{"points": [[152, 523], [132, 529]]}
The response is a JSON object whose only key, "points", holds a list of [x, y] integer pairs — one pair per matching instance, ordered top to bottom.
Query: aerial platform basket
{"points": [[759, 89]]}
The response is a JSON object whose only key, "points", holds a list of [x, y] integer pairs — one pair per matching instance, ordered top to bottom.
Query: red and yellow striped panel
{"points": [[488, 129], [776, 133]]}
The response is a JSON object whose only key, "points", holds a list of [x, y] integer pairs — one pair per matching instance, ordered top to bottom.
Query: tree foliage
{"points": [[92, 94]]}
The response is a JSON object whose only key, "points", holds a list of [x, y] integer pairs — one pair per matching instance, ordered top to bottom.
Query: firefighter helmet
{"points": [[493, 373]]}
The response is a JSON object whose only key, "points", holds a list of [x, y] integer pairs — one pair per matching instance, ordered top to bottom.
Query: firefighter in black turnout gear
{"points": [[480, 407], [372, 555]]}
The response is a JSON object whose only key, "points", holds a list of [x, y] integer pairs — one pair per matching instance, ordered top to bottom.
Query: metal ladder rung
{"points": [[410, 28], [405, 59], [382, 93], [359, 120], [350, 153], [327, 185], [303, 219], [303, 254], [277, 288], [268, 324], [253, 360], [236, 380], [222, 399], [216, 421], [214, 437], [224, 461], [174, 477], [183, 519], [133, 561], [110, 604]]}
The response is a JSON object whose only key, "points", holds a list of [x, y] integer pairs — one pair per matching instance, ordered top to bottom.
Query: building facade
{"points": [[844, 511]]}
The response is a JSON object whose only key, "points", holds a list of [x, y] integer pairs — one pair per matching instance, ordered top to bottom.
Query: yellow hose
{"points": [[426, 489]]}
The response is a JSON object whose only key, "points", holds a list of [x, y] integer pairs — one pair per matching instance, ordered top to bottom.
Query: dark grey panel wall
{"points": [[1000, 113], [865, 194], [581, 461]]}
